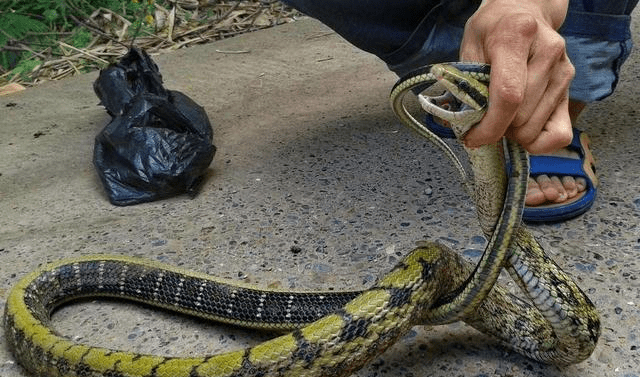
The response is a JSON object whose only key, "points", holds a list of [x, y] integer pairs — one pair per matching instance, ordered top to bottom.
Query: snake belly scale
{"points": [[329, 333]]}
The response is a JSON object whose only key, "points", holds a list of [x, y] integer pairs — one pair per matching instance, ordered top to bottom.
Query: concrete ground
{"points": [[309, 156]]}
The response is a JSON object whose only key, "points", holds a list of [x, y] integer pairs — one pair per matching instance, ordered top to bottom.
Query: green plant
{"points": [[142, 11], [16, 27], [28, 27], [81, 37], [25, 67]]}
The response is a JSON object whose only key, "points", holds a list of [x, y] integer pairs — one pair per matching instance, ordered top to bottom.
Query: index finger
{"points": [[508, 55], [506, 94]]}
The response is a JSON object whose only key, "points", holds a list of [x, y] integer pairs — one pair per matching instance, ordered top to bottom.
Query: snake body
{"points": [[574, 323], [329, 333]]}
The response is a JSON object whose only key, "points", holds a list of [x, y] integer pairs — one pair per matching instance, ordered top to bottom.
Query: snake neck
{"points": [[489, 172]]}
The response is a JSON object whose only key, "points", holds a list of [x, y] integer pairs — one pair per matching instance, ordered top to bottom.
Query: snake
{"points": [[570, 318], [334, 333]]}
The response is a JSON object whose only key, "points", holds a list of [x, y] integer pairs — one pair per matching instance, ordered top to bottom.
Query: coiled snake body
{"points": [[332, 333]]}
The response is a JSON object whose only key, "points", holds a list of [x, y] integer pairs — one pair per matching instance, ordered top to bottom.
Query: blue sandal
{"points": [[553, 166], [564, 166]]}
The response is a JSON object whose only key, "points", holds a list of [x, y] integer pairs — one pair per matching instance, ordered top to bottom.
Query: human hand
{"points": [[530, 73]]}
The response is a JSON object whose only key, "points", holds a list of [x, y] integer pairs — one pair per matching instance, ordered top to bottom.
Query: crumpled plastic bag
{"points": [[158, 143]]}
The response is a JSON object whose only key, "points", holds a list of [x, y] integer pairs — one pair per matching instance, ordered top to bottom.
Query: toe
{"points": [[570, 186], [552, 188], [544, 189], [557, 189], [555, 192], [535, 196]]}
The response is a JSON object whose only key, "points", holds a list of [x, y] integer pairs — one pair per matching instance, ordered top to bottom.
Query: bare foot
{"points": [[546, 190]]}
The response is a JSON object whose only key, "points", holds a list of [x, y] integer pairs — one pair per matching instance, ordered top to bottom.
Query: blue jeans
{"points": [[407, 34]]}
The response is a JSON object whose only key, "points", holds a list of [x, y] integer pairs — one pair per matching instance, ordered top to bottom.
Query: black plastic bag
{"points": [[134, 74], [159, 142]]}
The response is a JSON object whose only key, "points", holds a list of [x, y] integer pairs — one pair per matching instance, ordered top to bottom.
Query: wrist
{"points": [[553, 12]]}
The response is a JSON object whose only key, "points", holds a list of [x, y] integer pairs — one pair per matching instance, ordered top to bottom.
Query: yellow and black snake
{"points": [[330, 333]]}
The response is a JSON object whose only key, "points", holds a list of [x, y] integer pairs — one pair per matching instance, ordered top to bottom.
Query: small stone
{"points": [[158, 242], [472, 253], [618, 310], [604, 357]]}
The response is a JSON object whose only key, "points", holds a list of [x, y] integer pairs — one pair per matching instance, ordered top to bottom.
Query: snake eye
{"points": [[464, 86]]}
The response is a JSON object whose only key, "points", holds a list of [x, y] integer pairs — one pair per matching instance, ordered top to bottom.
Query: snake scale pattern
{"points": [[329, 333]]}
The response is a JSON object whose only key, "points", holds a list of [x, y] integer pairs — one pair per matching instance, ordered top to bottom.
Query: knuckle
{"points": [[473, 21], [523, 24], [512, 30], [556, 47], [568, 71], [511, 92], [519, 121], [565, 137], [549, 143]]}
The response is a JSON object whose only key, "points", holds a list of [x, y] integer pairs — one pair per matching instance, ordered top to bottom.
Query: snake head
{"points": [[466, 88], [466, 101]]}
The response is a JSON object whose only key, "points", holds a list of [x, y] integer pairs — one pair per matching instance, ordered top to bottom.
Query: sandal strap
{"points": [[566, 166]]}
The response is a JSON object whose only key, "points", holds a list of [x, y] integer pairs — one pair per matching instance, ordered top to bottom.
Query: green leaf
{"points": [[50, 15], [17, 25], [81, 38], [24, 68]]}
